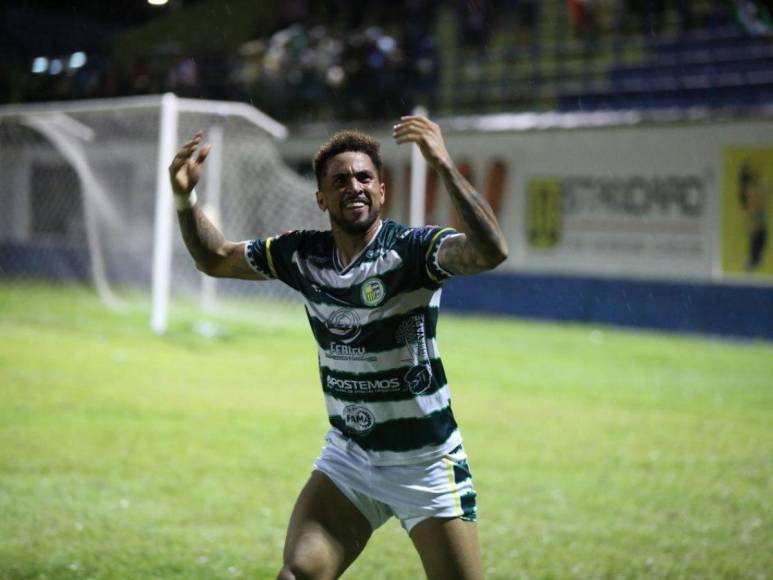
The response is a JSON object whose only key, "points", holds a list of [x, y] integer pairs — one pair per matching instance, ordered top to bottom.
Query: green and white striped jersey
{"points": [[374, 321]]}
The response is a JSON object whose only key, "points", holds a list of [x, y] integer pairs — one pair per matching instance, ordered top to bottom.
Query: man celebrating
{"points": [[372, 291]]}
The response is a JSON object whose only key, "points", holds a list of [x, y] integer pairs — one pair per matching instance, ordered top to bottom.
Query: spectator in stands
{"points": [[292, 12], [525, 13], [685, 13], [645, 14], [756, 16], [654, 17], [418, 18], [584, 19], [473, 23], [371, 64], [245, 70], [183, 77], [141, 79], [85, 82]]}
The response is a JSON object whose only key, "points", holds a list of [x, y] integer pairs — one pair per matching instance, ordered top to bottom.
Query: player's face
{"points": [[351, 192]]}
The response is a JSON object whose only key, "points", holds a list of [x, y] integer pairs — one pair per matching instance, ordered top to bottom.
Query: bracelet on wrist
{"points": [[183, 202]]}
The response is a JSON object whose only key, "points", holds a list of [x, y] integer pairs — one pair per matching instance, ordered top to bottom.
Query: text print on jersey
{"points": [[345, 352], [364, 386]]}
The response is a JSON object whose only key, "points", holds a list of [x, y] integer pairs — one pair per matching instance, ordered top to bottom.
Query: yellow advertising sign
{"points": [[747, 212], [544, 213]]}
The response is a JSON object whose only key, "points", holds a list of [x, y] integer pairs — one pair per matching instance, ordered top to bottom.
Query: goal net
{"points": [[86, 198]]}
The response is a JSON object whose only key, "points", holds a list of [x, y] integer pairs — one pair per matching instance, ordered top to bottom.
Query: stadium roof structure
{"points": [[574, 120], [543, 121]]}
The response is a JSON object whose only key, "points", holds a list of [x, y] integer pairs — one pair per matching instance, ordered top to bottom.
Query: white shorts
{"points": [[412, 493]]}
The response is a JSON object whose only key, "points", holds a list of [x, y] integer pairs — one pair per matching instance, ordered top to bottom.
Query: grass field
{"points": [[597, 453]]}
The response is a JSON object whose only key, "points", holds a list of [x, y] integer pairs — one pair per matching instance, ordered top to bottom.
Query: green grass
{"points": [[597, 453]]}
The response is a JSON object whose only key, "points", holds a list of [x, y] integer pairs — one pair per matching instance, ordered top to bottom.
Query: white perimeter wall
{"points": [[640, 201]]}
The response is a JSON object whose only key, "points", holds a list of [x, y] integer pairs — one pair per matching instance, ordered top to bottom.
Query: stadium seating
{"points": [[525, 56], [718, 68]]}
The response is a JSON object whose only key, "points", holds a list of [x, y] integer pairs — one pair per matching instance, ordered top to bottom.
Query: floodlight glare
{"points": [[157, 2], [77, 60], [39, 65], [56, 67]]}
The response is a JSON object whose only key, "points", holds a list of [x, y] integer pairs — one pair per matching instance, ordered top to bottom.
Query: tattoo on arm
{"points": [[483, 246], [455, 257]]}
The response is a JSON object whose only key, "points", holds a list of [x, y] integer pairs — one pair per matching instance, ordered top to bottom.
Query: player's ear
{"points": [[382, 191], [321, 201]]}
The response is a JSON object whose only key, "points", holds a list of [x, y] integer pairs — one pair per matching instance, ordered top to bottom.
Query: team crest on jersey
{"points": [[373, 291], [358, 419]]}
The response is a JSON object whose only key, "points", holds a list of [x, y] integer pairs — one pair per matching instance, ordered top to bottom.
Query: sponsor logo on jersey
{"points": [[373, 291], [344, 324], [412, 335], [345, 352], [418, 379], [362, 386], [358, 419]]}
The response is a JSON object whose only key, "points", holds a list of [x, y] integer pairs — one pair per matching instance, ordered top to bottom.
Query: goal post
{"points": [[87, 198], [162, 232]]}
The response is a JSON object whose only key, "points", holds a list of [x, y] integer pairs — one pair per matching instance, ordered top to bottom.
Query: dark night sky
{"points": [[117, 12], [50, 27]]}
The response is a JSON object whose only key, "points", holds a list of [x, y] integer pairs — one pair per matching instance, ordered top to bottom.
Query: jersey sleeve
{"points": [[431, 239], [273, 257]]}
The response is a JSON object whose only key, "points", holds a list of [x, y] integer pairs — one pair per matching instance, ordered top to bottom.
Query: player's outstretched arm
{"points": [[483, 245], [213, 254]]}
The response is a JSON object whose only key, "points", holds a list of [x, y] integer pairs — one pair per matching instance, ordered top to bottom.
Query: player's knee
{"points": [[297, 570], [286, 573]]}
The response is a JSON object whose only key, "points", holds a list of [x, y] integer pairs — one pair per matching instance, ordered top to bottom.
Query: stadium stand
{"points": [[455, 56], [718, 67]]}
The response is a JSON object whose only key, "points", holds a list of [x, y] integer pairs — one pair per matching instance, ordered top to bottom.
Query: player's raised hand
{"points": [[427, 135], [184, 170]]}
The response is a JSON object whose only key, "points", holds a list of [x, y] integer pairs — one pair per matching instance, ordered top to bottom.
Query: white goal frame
{"points": [[52, 122]]}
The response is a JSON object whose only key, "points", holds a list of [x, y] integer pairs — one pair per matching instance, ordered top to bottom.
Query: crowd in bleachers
{"points": [[339, 60], [366, 72]]}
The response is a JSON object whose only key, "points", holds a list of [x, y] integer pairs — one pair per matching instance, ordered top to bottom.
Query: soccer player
{"points": [[371, 289]]}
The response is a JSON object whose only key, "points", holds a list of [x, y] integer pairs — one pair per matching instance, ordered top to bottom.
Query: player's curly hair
{"points": [[342, 142]]}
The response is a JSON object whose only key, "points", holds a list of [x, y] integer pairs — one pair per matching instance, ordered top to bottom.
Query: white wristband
{"points": [[183, 202]]}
